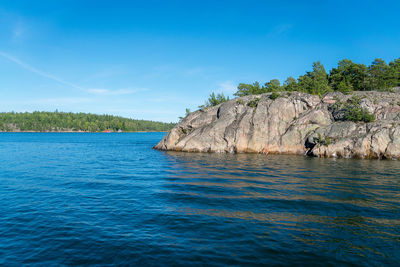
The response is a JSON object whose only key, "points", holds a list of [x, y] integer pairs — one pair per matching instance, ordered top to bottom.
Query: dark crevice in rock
{"points": [[218, 112], [309, 147]]}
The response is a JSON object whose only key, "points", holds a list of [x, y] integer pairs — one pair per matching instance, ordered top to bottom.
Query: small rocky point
{"points": [[293, 123]]}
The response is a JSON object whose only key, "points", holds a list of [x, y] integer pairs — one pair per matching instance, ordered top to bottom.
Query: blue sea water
{"points": [[109, 199]]}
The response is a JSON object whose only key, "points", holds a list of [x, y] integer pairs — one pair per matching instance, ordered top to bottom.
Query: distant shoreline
{"points": [[43, 121], [81, 132]]}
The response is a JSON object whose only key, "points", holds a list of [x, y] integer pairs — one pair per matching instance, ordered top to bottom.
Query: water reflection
{"points": [[357, 182], [83, 199], [340, 206]]}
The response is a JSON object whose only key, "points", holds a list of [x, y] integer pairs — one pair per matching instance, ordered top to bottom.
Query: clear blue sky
{"points": [[152, 59]]}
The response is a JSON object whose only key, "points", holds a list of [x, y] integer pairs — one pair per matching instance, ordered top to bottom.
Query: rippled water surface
{"points": [[77, 199]]}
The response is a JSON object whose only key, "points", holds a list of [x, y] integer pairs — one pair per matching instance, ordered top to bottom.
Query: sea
{"points": [[106, 199]]}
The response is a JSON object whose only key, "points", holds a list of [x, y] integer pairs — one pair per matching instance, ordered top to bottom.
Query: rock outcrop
{"points": [[293, 123]]}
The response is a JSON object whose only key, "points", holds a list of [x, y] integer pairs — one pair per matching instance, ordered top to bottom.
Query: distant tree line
{"points": [[346, 78], [62, 121]]}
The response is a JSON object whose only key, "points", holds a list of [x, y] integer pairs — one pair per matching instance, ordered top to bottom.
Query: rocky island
{"points": [[361, 124]]}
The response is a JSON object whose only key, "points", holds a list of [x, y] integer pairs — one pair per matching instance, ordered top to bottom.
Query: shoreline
{"points": [[364, 124], [82, 132]]}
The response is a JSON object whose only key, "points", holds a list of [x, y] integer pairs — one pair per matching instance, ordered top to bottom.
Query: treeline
{"points": [[346, 78], [62, 121]]}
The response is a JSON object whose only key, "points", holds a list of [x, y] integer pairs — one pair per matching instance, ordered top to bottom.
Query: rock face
{"points": [[294, 123]]}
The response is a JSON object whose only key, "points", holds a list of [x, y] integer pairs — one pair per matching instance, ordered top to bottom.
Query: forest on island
{"points": [[346, 78], [63, 121]]}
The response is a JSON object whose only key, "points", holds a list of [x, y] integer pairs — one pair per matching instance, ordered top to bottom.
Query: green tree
{"points": [[394, 72], [348, 76], [379, 77], [315, 82], [305, 83], [290, 84], [273, 86], [344, 86], [249, 89], [214, 100], [187, 112]]}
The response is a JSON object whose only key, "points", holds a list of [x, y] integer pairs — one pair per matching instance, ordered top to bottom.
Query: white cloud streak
{"points": [[18, 30], [280, 30], [39, 72], [227, 87], [96, 91], [100, 91], [59, 101]]}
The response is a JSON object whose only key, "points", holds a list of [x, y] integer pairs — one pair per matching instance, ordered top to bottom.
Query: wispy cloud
{"points": [[19, 30], [280, 30], [175, 70], [194, 71], [39, 72], [103, 75], [227, 87], [97, 91], [100, 91], [172, 99], [60, 100], [141, 111]]}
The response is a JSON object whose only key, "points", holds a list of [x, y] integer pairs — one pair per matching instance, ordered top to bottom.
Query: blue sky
{"points": [[152, 59]]}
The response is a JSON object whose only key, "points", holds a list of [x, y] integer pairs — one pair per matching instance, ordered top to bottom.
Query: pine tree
{"points": [[348, 76], [315, 82]]}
